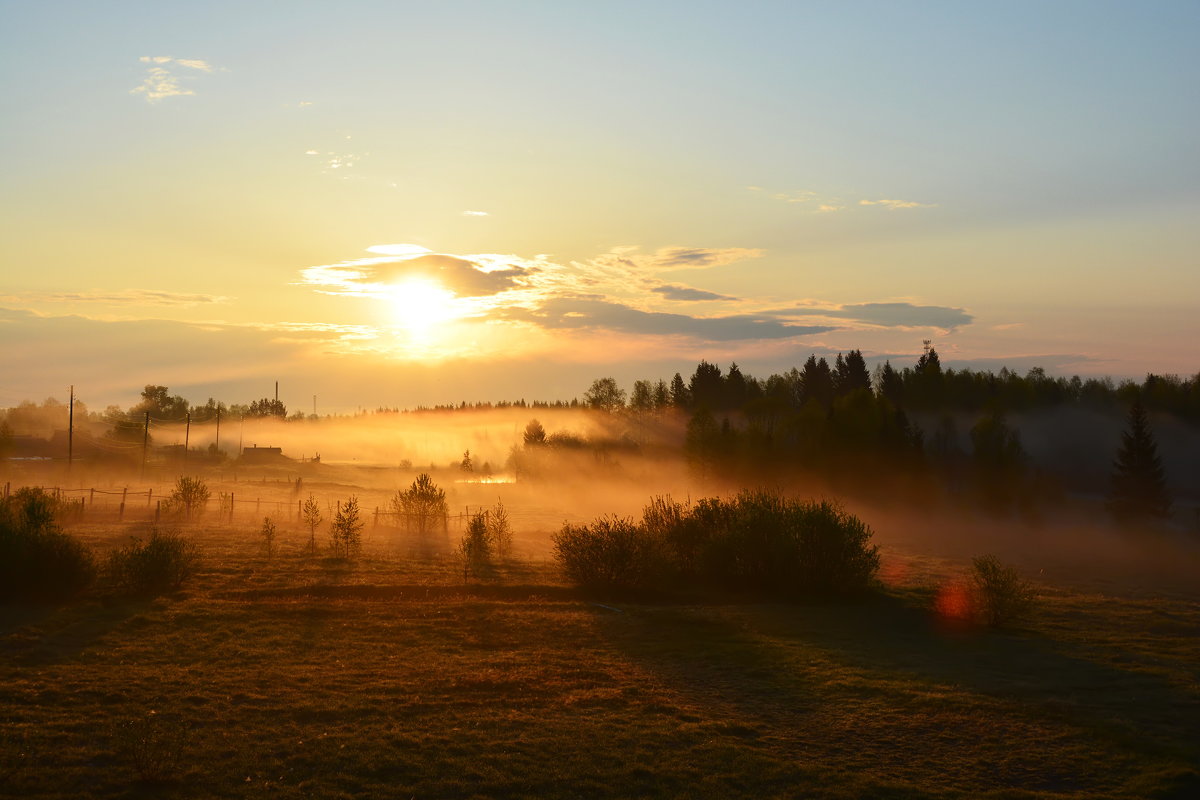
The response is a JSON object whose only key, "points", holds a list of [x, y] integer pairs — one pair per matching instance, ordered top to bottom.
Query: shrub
{"points": [[189, 497], [421, 505], [311, 514], [499, 530], [345, 532], [268, 536], [759, 543], [474, 549], [611, 554], [38, 560], [160, 563], [1000, 596]]}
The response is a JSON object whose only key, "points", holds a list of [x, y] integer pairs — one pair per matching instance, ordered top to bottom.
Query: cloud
{"points": [[194, 63], [162, 80], [829, 204], [893, 205], [475, 214], [672, 258], [626, 266], [476, 276], [673, 291], [140, 297], [590, 313], [891, 315]]}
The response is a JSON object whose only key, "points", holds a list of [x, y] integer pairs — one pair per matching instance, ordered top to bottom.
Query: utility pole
{"points": [[241, 428], [71, 430], [187, 434], [145, 443], [218, 445]]}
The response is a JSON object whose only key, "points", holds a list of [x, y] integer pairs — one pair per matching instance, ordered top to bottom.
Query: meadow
{"points": [[300, 675]]}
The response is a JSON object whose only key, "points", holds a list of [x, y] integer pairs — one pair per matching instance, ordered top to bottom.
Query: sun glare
{"points": [[420, 306]]}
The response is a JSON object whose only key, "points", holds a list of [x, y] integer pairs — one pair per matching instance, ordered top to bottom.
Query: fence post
{"points": [[92, 497], [149, 497], [257, 505], [231, 506], [158, 511], [376, 525]]}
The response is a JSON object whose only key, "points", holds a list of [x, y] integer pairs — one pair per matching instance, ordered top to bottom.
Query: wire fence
{"points": [[95, 504]]}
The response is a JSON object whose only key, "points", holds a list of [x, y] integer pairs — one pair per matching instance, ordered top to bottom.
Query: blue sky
{"points": [[1027, 170]]}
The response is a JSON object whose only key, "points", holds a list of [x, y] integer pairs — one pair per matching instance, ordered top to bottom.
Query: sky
{"points": [[394, 203]]}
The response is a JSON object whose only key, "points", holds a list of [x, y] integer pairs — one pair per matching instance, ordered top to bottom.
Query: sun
{"points": [[421, 306]]}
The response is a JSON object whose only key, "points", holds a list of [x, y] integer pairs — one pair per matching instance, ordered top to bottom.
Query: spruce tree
{"points": [[1139, 485]]}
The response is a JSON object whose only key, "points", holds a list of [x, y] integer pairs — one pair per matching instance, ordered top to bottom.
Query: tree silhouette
{"points": [[929, 362], [850, 373], [816, 381], [706, 386], [605, 395], [680, 396], [642, 398], [267, 407], [535, 434], [1139, 485], [423, 504], [346, 529]]}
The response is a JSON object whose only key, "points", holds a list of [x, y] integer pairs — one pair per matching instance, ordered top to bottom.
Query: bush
{"points": [[189, 497], [421, 505], [311, 515], [499, 531], [267, 532], [345, 532], [759, 543], [474, 549], [610, 555], [38, 560], [160, 563], [999, 595]]}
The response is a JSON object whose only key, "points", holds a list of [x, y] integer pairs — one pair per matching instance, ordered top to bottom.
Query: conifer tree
{"points": [[680, 396], [1139, 485]]}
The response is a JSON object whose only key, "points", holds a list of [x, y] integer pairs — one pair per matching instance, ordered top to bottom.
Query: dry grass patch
{"points": [[299, 676]]}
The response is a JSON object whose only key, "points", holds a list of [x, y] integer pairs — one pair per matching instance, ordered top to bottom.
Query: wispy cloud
{"points": [[164, 77], [794, 197], [818, 203], [893, 205], [475, 214], [674, 291], [137, 297], [596, 314], [889, 315]]}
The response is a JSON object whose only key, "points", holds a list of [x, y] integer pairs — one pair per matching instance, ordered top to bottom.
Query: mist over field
{"points": [[599, 400]]}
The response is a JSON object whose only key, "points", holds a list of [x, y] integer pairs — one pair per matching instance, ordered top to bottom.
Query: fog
{"points": [[602, 464]]}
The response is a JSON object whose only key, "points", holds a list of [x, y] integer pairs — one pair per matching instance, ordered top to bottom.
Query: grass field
{"points": [[308, 677]]}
